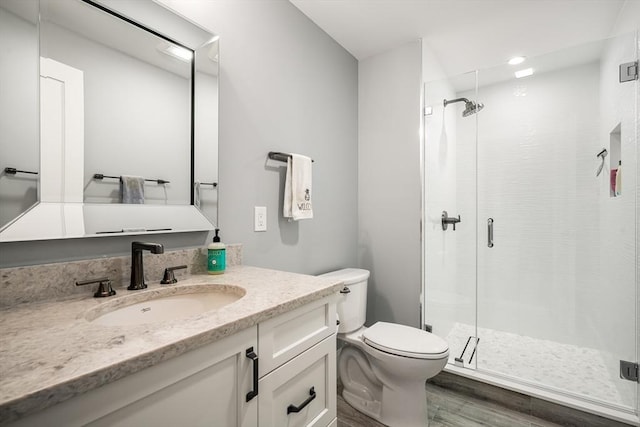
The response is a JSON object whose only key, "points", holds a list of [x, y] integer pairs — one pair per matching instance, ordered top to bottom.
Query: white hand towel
{"points": [[297, 188]]}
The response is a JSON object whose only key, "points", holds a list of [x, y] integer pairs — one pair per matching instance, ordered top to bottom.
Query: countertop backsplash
{"points": [[46, 282]]}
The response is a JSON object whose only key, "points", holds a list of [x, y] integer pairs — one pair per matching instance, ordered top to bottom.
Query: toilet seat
{"points": [[405, 341]]}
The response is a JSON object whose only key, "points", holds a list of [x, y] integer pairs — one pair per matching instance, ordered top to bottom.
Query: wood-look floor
{"points": [[451, 409]]}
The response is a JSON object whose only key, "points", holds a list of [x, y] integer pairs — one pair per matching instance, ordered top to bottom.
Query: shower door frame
{"points": [[490, 377]]}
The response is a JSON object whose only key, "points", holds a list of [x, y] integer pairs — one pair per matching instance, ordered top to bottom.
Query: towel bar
{"points": [[281, 157], [13, 171], [101, 176]]}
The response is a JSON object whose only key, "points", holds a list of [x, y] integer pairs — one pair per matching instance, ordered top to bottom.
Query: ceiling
{"points": [[466, 34]]}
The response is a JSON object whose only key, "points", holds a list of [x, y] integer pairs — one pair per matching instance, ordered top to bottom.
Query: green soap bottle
{"points": [[216, 256]]}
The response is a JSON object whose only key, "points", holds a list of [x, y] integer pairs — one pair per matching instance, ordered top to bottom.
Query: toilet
{"points": [[383, 367]]}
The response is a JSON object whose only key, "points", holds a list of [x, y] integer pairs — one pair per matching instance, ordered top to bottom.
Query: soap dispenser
{"points": [[216, 255]]}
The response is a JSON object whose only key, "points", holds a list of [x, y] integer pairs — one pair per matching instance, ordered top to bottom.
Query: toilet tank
{"points": [[352, 302]]}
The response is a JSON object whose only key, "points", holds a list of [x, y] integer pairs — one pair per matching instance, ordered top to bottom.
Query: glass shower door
{"points": [[450, 191], [557, 238]]}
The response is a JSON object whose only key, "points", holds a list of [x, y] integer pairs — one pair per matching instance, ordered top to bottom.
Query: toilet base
{"points": [[367, 407], [394, 412]]}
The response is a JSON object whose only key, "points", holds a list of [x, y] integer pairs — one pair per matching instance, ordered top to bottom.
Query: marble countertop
{"points": [[49, 352]]}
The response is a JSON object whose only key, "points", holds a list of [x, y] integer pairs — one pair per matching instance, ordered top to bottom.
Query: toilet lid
{"points": [[405, 341]]}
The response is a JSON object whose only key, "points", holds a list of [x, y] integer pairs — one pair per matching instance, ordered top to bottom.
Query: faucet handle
{"points": [[446, 220], [169, 276], [104, 289]]}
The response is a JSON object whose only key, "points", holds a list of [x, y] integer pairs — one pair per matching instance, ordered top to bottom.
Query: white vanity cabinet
{"points": [[298, 367], [208, 386], [204, 387]]}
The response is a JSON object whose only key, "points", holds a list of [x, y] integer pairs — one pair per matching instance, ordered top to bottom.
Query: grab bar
{"points": [[490, 232]]}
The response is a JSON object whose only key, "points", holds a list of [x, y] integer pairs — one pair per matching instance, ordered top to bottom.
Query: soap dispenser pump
{"points": [[216, 255]]}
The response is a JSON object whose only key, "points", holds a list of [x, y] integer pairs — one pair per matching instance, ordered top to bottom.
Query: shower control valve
{"points": [[446, 220]]}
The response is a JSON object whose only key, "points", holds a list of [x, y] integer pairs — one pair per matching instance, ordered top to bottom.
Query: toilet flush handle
{"points": [[345, 290]]}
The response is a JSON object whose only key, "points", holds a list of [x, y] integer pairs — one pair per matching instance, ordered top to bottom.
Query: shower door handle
{"points": [[490, 232]]}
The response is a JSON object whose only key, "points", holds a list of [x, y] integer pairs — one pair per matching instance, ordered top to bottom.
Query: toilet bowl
{"points": [[383, 368]]}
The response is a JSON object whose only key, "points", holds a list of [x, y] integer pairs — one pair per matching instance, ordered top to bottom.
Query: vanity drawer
{"points": [[284, 337], [302, 392]]}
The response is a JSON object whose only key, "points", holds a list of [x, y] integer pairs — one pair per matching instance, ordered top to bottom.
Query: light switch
{"points": [[260, 218]]}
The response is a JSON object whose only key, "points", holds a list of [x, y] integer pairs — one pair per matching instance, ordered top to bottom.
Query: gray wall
{"points": [[110, 77], [286, 86], [389, 187]]}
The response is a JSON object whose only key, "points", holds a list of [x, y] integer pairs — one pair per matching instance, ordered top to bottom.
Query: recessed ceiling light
{"points": [[176, 51], [516, 60], [524, 73]]}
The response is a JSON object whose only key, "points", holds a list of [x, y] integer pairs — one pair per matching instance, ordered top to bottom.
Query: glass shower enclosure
{"points": [[531, 223]]}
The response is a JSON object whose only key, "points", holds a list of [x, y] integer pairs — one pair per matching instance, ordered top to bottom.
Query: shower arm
{"points": [[451, 101]]}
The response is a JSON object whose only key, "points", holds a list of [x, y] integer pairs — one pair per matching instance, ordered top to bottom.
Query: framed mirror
{"points": [[127, 103]]}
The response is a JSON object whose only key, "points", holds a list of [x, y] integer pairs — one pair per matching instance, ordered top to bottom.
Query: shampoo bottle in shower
{"points": [[619, 179], [216, 255]]}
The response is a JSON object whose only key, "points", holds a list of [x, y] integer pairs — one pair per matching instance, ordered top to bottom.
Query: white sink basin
{"points": [[164, 304]]}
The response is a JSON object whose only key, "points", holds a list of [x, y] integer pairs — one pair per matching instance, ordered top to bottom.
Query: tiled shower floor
{"points": [[567, 367]]}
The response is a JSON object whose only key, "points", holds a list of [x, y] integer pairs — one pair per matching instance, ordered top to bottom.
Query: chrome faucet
{"points": [[137, 267]]}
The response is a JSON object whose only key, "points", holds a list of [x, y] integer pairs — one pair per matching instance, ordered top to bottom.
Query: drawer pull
{"points": [[254, 357], [292, 408]]}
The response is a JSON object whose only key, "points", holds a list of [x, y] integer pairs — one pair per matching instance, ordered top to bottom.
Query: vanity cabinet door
{"points": [[204, 387], [302, 392]]}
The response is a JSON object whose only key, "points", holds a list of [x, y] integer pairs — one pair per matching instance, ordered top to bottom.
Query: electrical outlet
{"points": [[260, 218]]}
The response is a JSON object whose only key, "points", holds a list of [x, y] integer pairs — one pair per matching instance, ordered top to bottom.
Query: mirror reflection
{"points": [[136, 88], [19, 114], [128, 116], [205, 191]]}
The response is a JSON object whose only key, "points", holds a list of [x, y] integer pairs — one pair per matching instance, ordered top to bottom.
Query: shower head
{"points": [[470, 107]]}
